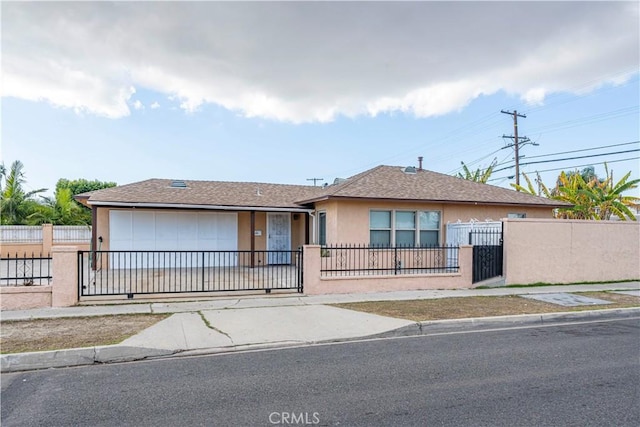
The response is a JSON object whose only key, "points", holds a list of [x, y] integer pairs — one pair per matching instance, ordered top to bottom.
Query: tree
{"points": [[588, 174], [478, 175], [78, 186], [65, 190], [591, 198], [610, 199], [15, 204], [60, 210]]}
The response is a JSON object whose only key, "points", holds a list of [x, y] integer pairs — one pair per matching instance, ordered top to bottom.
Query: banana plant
{"points": [[478, 175], [593, 199], [610, 199]]}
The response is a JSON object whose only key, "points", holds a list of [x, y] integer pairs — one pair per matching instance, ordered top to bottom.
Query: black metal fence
{"points": [[487, 237], [487, 254], [348, 260], [25, 270], [153, 272]]}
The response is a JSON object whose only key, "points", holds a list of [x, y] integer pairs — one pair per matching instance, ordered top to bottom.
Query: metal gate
{"points": [[487, 254], [132, 273]]}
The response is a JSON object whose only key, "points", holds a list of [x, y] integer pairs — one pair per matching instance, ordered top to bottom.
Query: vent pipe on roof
{"points": [[420, 163]]}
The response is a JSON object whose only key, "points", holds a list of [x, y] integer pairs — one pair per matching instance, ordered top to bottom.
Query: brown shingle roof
{"points": [[381, 182], [392, 183], [217, 193]]}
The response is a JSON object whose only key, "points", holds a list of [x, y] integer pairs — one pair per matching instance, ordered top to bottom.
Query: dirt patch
{"points": [[465, 307], [71, 332]]}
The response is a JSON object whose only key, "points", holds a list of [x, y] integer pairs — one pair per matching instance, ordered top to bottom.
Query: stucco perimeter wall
{"points": [[36, 248], [569, 251], [314, 284], [63, 292], [25, 297]]}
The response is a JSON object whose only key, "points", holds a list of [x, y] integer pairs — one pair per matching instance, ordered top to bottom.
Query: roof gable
{"points": [[393, 183]]}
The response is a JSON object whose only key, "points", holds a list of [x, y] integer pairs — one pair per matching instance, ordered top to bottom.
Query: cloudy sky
{"points": [[288, 91]]}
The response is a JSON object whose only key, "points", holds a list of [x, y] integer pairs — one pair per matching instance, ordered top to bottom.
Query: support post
{"points": [[65, 276]]}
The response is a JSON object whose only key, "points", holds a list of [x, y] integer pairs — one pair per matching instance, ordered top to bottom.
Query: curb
{"points": [[521, 320], [17, 362]]}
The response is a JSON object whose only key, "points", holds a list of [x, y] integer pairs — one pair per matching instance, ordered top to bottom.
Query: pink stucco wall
{"points": [[348, 220], [13, 249], [569, 251], [314, 284], [63, 292], [25, 297]]}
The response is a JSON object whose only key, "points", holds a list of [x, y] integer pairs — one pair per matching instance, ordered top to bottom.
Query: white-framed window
{"points": [[516, 215], [380, 228], [404, 228], [429, 228]]}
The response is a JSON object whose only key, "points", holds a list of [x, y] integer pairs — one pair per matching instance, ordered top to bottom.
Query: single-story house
{"points": [[386, 205]]}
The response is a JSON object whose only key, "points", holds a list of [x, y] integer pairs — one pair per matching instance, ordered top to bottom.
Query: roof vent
{"points": [[410, 170], [178, 184]]}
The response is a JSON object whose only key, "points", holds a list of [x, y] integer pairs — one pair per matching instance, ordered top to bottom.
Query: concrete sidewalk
{"points": [[231, 324]]}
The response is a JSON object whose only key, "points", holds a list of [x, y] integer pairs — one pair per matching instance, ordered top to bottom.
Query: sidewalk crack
{"points": [[213, 328]]}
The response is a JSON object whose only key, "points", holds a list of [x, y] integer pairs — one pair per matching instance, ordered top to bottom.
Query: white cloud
{"points": [[312, 61], [137, 104], [155, 105]]}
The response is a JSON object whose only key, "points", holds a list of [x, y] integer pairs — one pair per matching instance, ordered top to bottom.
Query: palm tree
{"points": [[15, 204], [61, 210]]}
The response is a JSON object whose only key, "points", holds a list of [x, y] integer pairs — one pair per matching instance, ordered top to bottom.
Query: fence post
{"points": [[47, 238], [395, 260], [465, 264], [311, 269], [203, 271], [65, 276]]}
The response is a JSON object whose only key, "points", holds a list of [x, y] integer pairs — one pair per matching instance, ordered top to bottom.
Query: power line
{"points": [[609, 115], [584, 149], [581, 157], [570, 158], [473, 162], [503, 162], [582, 166], [571, 167]]}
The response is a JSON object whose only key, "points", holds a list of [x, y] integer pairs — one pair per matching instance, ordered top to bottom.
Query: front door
{"points": [[279, 238]]}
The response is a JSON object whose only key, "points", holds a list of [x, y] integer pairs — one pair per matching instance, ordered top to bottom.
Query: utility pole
{"points": [[516, 141], [315, 180]]}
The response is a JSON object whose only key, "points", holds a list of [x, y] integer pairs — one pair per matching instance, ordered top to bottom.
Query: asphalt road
{"points": [[568, 375]]}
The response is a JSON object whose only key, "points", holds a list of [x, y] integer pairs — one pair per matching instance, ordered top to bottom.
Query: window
{"points": [[517, 215], [322, 228], [380, 228], [404, 228], [429, 228]]}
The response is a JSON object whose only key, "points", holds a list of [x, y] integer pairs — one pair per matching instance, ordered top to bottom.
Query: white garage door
{"points": [[146, 230]]}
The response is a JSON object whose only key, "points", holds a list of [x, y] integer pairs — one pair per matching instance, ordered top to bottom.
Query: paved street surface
{"points": [[249, 322], [571, 375]]}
